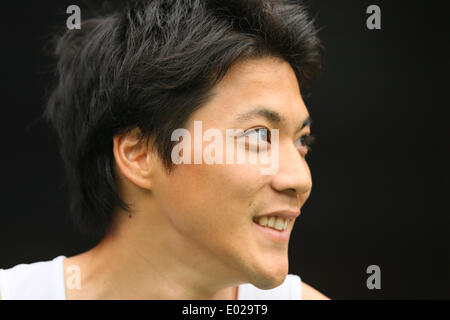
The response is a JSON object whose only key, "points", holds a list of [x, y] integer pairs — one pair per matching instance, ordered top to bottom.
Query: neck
{"points": [[146, 260]]}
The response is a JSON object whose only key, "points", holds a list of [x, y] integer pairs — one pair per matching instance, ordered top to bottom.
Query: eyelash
{"points": [[308, 139]]}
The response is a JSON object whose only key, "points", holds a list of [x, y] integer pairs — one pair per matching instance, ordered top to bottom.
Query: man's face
{"points": [[214, 206]]}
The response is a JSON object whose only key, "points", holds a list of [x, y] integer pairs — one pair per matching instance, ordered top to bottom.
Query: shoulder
{"points": [[38, 280], [309, 293]]}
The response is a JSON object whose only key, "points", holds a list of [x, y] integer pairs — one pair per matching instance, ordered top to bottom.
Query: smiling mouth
{"points": [[273, 222]]}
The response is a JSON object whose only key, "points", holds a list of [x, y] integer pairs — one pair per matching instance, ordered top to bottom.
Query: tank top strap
{"points": [[42, 280], [290, 289]]}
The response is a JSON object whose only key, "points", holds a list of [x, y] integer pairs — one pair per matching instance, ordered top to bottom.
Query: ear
{"points": [[134, 158]]}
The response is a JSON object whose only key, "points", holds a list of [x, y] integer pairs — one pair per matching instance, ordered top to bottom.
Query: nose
{"points": [[293, 176]]}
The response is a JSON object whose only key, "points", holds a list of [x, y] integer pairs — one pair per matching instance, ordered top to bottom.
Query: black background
{"points": [[380, 168]]}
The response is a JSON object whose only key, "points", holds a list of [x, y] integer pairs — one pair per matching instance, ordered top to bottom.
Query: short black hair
{"points": [[149, 65]]}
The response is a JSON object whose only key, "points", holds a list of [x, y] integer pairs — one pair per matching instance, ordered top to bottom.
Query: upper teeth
{"points": [[275, 222]]}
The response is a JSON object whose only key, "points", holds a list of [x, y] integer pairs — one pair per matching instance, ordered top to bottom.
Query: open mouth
{"points": [[273, 222]]}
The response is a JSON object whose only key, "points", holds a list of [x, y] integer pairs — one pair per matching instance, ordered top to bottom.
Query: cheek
{"points": [[233, 188], [302, 197], [210, 199]]}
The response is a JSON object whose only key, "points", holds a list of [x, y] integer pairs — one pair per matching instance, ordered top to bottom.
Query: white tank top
{"points": [[44, 280]]}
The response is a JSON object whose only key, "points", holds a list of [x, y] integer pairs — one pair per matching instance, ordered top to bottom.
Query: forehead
{"points": [[262, 71], [266, 81]]}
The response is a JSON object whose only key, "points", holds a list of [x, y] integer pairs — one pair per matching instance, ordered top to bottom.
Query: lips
{"points": [[286, 214], [275, 222], [275, 225], [272, 234]]}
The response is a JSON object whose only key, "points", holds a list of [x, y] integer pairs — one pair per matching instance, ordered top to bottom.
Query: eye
{"points": [[261, 134], [305, 141]]}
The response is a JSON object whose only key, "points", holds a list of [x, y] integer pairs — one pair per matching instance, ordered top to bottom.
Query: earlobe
{"points": [[133, 158]]}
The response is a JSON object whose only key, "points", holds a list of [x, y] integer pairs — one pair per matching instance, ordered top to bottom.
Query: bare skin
{"points": [[191, 234], [309, 293]]}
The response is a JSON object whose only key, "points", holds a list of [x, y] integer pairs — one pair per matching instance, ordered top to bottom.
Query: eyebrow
{"points": [[271, 116]]}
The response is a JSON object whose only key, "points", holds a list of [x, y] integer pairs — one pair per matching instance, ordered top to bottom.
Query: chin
{"points": [[270, 277]]}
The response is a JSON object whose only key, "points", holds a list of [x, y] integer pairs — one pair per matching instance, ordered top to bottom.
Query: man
{"points": [[192, 229]]}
